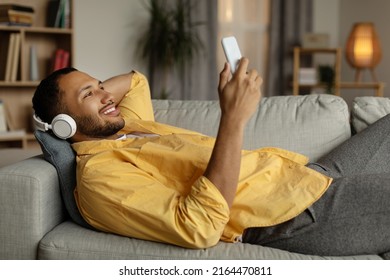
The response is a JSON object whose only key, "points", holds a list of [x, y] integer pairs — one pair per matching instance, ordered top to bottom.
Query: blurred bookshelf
{"points": [[32, 59]]}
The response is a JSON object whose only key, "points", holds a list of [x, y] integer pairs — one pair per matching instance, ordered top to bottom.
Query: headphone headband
{"points": [[40, 125]]}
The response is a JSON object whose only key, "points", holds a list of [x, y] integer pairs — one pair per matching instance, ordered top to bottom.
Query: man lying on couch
{"points": [[143, 179]]}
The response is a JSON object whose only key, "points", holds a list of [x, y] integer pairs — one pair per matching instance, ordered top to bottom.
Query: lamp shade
{"points": [[363, 47]]}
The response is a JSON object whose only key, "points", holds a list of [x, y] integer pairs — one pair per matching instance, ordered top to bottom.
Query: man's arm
{"points": [[118, 85], [239, 99]]}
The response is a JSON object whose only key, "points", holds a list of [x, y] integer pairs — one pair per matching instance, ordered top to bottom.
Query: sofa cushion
{"points": [[368, 109], [60, 154], [69, 241]]}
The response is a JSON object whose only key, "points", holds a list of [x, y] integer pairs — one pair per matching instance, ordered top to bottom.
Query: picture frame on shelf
{"points": [[315, 41]]}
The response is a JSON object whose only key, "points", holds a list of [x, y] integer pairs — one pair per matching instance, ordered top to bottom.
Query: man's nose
{"points": [[105, 96]]}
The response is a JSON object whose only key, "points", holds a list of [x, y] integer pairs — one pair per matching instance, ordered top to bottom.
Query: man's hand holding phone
{"points": [[240, 95]]}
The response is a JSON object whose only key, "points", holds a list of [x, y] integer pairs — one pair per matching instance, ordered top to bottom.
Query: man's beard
{"points": [[91, 127]]}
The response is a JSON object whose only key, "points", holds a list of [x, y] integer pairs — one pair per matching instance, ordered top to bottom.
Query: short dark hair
{"points": [[47, 97]]}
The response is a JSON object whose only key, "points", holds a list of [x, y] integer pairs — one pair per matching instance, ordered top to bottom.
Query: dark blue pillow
{"points": [[61, 155]]}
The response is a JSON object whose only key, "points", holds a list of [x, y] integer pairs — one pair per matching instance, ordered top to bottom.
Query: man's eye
{"points": [[87, 94]]}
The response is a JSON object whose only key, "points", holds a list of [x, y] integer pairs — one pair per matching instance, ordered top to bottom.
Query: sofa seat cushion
{"points": [[70, 241]]}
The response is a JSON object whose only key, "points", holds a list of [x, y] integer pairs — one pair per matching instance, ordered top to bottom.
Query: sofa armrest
{"points": [[30, 206]]}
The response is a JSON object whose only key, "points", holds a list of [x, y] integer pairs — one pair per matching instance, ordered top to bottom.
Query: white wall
{"points": [[326, 19], [106, 34]]}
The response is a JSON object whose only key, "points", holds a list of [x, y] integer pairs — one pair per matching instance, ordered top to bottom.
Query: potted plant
{"points": [[170, 41], [327, 77]]}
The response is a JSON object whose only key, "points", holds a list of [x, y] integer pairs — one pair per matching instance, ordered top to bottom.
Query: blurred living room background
{"points": [[107, 33], [176, 44]]}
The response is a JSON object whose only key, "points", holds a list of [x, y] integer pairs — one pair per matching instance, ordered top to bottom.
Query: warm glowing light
{"points": [[229, 11], [363, 48]]}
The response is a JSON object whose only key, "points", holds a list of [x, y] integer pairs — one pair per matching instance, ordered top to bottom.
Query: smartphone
{"points": [[232, 52]]}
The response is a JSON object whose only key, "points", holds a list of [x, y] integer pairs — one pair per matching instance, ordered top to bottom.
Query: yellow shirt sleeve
{"points": [[137, 103], [130, 202]]}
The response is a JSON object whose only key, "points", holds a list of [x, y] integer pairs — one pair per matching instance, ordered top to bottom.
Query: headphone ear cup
{"points": [[63, 126]]}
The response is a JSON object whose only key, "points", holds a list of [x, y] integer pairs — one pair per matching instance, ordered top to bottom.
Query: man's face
{"points": [[90, 105]]}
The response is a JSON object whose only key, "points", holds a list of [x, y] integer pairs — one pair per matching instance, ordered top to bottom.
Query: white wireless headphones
{"points": [[63, 126]]}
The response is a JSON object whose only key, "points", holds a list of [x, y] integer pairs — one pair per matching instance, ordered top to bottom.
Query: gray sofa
{"points": [[34, 223]]}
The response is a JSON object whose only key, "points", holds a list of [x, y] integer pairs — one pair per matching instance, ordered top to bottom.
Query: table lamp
{"points": [[363, 49]]}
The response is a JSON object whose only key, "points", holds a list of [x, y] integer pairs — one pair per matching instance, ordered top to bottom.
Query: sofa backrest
{"points": [[368, 109], [312, 124]]}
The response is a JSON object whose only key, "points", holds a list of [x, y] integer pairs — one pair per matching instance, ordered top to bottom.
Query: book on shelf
{"points": [[22, 8], [12, 14], [58, 14], [10, 54], [13, 56], [61, 59], [34, 72], [308, 76], [3, 118]]}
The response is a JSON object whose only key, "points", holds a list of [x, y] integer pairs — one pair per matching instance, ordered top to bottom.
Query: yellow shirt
{"points": [[153, 188]]}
